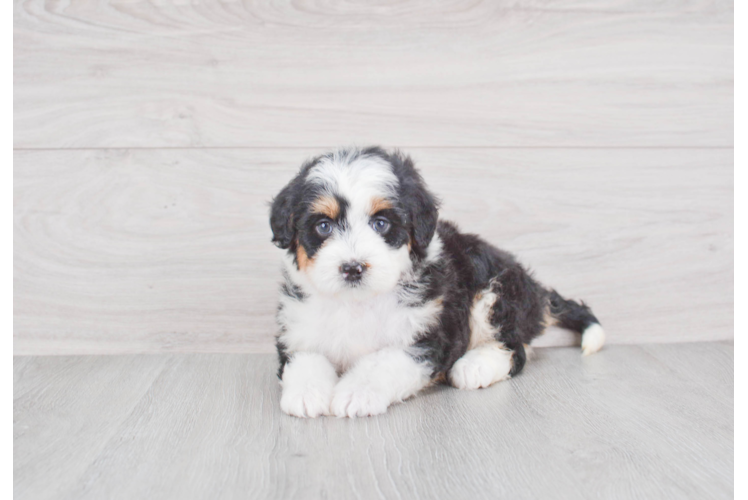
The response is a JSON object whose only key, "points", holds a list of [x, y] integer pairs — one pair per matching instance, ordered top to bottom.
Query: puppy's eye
{"points": [[381, 225], [323, 228]]}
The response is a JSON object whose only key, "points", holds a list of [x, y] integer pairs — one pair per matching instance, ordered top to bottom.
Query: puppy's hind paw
{"points": [[481, 367]]}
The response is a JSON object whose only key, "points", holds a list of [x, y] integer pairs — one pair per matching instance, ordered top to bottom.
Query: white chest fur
{"points": [[345, 330]]}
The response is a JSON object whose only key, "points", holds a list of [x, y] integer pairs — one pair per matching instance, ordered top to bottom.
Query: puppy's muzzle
{"points": [[353, 271]]}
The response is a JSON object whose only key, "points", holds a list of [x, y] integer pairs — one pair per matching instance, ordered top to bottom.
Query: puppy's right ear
{"points": [[282, 215]]}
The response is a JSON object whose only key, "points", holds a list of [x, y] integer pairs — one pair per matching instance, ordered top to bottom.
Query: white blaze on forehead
{"points": [[358, 179], [366, 183]]}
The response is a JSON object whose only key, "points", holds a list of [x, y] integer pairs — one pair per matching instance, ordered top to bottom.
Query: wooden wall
{"points": [[592, 138]]}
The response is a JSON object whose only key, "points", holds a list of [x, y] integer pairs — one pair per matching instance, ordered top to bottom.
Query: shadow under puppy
{"points": [[381, 299]]}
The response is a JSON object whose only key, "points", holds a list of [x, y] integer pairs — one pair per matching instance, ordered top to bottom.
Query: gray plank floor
{"points": [[651, 421]]}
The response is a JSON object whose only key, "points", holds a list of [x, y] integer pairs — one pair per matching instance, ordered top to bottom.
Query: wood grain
{"points": [[417, 73], [168, 250], [69, 409], [629, 422]]}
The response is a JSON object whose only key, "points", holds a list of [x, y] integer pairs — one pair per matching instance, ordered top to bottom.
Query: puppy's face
{"points": [[354, 221]]}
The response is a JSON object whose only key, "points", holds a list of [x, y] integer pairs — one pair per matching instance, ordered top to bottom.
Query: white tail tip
{"points": [[593, 339]]}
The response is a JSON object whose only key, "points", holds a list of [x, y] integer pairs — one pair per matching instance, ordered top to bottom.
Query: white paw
{"points": [[593, 339], [480, 368], [311, 401], [357, 401]]}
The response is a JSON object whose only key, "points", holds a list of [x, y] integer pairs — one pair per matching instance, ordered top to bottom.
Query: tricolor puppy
{"points": [[380, 298]]}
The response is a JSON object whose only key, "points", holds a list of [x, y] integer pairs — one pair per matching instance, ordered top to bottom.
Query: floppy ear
{"points": [[423, 211], [282, 216]]}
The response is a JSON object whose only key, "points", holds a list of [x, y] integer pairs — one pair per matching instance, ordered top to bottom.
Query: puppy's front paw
{"points": [[310, 401], [357, 401]]}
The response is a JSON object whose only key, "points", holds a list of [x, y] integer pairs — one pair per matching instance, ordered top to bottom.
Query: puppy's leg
{"points": [[482, 366], [378, 380], [308, 381]]}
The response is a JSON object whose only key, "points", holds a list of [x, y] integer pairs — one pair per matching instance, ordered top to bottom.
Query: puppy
{"points": [[380, 298]]}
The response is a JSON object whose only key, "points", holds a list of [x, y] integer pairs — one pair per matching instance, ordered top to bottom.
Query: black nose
{"points": [[352, 271]]}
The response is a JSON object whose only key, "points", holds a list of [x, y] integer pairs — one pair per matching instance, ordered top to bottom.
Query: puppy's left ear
{"points": [[423, 210]]}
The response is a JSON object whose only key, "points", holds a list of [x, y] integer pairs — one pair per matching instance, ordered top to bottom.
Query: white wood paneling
{"points": [[421, 73], [592, 138], [168, 250]]}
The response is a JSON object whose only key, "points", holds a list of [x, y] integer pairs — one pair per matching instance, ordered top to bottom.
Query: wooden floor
{"points": [[651, 421]]}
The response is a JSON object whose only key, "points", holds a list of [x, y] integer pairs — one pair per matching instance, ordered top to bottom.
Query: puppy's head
{"points": [[354, 221]]}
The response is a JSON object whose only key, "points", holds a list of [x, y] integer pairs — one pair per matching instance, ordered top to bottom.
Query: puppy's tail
{"points": [[577, 317]]}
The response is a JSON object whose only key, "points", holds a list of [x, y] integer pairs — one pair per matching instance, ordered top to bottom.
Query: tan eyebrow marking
{"points": [[379, 204], [326, 205], [303, 259]]}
